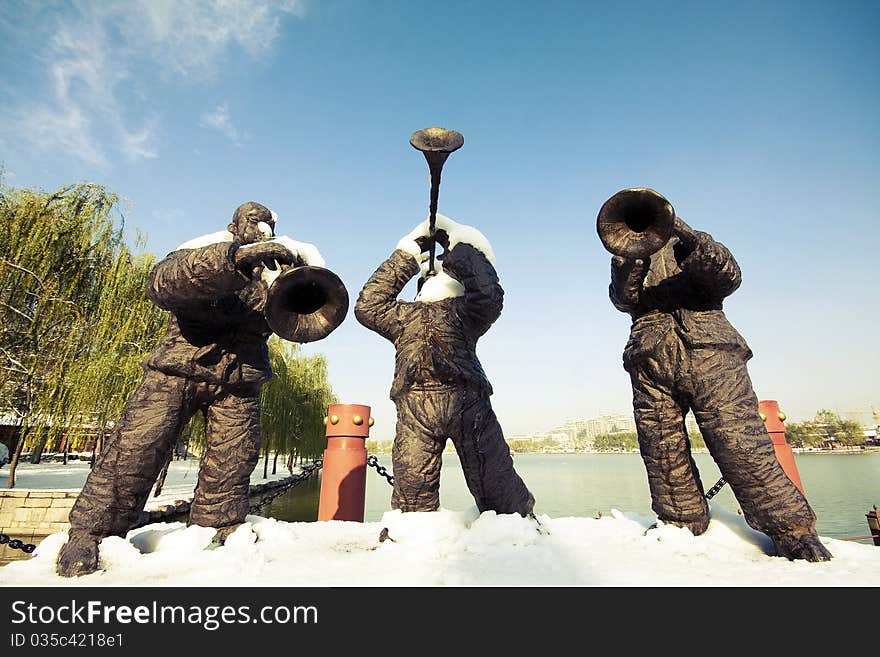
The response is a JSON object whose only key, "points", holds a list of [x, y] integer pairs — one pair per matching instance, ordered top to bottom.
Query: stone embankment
{"points": [[31, 515]]}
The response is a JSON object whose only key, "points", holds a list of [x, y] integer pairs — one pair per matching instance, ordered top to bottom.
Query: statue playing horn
{"points": [[226, 292], [684, 355], [440, 389]]}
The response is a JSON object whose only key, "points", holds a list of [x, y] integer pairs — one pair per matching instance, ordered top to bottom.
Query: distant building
{"points": [[609, 423], [578, 434]]}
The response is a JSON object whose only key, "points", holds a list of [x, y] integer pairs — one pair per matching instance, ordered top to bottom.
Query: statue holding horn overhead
{"points": [[224, 302], [684, 355], [439, 387]]}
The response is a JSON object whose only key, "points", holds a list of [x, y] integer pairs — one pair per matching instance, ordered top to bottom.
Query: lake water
{"points": [[841, 488]]}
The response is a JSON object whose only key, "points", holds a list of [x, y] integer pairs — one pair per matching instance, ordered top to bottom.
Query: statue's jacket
{"points": [[681, 294], [217, 332], [435, 341]]}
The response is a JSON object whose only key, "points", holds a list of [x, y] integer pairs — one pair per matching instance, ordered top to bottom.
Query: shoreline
{"points": [[796, 450]]}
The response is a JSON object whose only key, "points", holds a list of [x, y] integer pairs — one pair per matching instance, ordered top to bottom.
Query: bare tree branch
{"points": [[22, 269], [17, 311], [15, 362]]}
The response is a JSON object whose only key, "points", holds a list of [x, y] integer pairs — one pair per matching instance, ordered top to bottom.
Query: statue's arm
{"points": [[711, 267], [201, 274], [627, 279], [483, 294], [377, 306]]}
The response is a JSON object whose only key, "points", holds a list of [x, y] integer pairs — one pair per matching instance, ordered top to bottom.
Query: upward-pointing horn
{"points": [[436, 144]]}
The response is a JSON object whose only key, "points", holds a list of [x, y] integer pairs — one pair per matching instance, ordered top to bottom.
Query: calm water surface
{"points": [[841, 488]]}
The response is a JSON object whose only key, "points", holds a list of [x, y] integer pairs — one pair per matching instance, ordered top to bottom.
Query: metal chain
{"points": [[373, 462], [300, 478], [717, 487], [16, 544]]}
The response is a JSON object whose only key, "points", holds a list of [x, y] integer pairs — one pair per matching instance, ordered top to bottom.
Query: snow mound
{"points": [[454, 548]]}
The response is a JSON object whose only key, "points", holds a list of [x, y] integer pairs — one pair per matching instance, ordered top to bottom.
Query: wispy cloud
{"points": [[190, 38], [96, 57], [220, 120], [66, 129], [139, 144]]}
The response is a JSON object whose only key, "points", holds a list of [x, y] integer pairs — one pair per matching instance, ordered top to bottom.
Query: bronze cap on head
{"points": [[253, 211], [246, 219]]}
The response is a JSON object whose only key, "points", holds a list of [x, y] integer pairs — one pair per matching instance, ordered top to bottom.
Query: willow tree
{"points": [[68, 284], [105, 365], [295, 402]]}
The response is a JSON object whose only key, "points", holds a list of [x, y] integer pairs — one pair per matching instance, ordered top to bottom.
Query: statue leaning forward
{"points": [[683, 354], [213, 358]]}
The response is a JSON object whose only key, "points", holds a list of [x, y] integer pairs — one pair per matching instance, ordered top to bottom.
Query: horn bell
{"points": [[436, 140], [636, 222], [306, 304]]}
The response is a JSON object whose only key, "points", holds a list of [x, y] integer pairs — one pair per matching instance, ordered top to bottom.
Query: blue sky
{"points": [[757, 120]]}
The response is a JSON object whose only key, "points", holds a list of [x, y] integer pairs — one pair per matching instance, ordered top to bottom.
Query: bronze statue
{"points": [[684, 355], [213, 358], [439, 388]]}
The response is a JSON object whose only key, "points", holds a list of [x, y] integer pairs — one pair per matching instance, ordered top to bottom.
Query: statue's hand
{"points": [[440, 236], [418, 240], [700, 250], [304, 253], [264, 254], [709, 266], [628, 268], [627, 278]]}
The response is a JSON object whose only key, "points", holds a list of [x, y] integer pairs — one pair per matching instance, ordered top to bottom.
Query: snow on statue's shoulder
{"points": [[458, 234], [206, 240], [308, 252], [441, 285]]}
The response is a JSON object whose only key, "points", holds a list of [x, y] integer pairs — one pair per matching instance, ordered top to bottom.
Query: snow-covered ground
{"points": [[447, 548]]}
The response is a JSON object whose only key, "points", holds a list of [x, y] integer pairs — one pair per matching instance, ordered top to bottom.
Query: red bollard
{"points": [[773, 420], [344, 473]]}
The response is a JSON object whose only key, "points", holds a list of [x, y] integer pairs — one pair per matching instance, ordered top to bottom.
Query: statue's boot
{"points": [[697, 525], [541, 529], [223, 533], [801, 545], [79, 556]]}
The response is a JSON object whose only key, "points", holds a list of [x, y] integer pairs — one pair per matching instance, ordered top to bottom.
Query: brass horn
{"points": [[436, 145], [634, 223], [306, 304]]}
